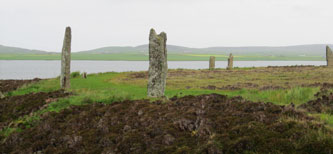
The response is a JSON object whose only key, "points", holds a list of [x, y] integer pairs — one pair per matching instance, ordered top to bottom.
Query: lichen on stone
{"points": [[158, 66]]}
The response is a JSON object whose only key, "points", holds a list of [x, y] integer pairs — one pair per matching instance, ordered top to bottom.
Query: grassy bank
{"points": [[144, 57], [278, 85], [281, 85]]}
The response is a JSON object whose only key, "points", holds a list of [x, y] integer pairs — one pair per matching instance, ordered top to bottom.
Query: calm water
{"points": [[29, 69]]}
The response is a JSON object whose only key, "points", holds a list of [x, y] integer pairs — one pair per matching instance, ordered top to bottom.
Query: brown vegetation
{"points": [[240, 78], [11, 85], [14, 107], [192, 124]]}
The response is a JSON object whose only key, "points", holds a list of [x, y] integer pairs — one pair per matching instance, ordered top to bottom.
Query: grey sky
{"points": [[40, 24]]}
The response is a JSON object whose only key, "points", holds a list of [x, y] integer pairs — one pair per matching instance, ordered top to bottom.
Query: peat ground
{"points": [[10, 85], [12, 108], [109, 113], [192, 124]]}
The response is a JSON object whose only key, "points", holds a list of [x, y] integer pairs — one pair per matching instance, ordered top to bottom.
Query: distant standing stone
{"points": [[329, 56], [66, 60], [230, 62], [211, 63], [158, 66], [84, 75], [2, 95]]}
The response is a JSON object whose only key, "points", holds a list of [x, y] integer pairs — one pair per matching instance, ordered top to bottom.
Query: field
{"points": [[171, 57], [292, 105]]}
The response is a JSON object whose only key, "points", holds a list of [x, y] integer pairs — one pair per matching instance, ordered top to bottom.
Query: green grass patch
{"points": [[100, 88], [328, 118]]}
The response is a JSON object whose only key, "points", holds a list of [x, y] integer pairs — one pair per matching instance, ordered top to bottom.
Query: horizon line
{"points": [[258, 46]]}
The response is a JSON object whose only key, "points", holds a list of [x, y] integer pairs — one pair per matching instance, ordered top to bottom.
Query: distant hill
{"points": [[141, 48], [111, 49], [15, 50], [298, 50], [309, 50]]}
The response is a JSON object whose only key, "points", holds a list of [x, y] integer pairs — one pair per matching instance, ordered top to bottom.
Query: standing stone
{"points": [[329, 56], [66, 60], [230, 62], [211, 63], [158, 66], [84, 75], [2, 95]]}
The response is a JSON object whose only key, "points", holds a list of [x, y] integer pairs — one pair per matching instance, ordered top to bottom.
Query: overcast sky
{"points": [[40, 24]]}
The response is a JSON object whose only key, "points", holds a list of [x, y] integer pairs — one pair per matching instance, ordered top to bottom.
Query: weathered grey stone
{"points": [[329, 56], [66, 60], [212, 62], [230, 62], [158, 66], [84, 75]]}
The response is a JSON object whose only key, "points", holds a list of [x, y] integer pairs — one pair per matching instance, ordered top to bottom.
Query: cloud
{"points": [[40, 24]]}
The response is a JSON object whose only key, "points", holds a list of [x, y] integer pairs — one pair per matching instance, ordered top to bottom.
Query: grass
{"points": [[171, 57], [280, 86], [108, 87], [93, 88], [328, 118]]}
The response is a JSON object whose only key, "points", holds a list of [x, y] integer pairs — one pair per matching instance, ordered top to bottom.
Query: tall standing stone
{"points": [[329, 56], [66, 60], [230, 62], [211, 63], [158, 66]]}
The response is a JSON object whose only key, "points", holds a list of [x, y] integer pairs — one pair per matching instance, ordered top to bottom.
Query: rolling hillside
{"points": [[15, 50], [299, 50], [316, 52]]}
